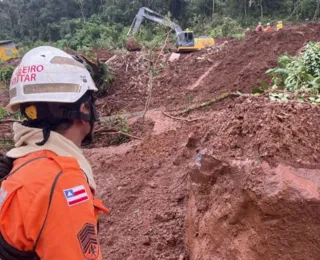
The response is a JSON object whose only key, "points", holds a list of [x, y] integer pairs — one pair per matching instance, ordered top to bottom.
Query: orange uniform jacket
{"points": [[50, 193]]}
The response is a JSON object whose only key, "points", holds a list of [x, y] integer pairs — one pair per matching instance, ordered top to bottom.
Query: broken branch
{"points": [[152, 67], [207, 103], [183, 119], [114, 131]]}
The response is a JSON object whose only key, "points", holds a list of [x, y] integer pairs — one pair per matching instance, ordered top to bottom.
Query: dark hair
{"points": [[50, 116], [60, 126]]}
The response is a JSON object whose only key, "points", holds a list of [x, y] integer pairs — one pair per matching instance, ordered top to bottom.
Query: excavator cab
{"points": [[185, 38], [186, 41]]}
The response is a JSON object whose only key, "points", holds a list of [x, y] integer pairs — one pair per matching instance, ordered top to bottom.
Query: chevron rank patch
{"points": [[88, 242]]}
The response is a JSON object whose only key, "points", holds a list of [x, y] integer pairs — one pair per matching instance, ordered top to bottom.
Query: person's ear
{"points": [[84, 109]]}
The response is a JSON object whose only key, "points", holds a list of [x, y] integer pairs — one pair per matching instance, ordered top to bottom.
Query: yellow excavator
{"points": [[185, 40], [7, 50]]}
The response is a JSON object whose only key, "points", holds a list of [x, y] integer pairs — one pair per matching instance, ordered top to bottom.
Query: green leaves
{"points": [[33, 20], [228, 27], [311, 57], [6, 73], [298, 73], [101, 75], [5, 114]]}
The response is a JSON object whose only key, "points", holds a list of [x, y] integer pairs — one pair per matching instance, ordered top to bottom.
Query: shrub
{"points": [[6, 73], [295, 73]]}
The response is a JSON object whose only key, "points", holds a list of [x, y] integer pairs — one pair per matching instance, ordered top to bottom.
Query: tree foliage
{"points": [[83, 23]]}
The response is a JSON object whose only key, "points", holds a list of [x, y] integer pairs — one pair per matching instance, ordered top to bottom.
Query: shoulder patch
{"points": [[76, 195], [88, 242]]}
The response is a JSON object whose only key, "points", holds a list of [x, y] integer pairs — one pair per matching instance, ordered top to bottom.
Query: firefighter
{"points": [[279, 25], [259, 27], [268, 28], [48, 204]]}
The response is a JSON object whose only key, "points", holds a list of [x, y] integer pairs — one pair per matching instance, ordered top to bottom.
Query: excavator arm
{"points": [[146, 13], [185, 39]]}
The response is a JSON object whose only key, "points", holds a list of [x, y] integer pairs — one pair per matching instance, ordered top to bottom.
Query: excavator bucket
{"points": [[133, 45]]}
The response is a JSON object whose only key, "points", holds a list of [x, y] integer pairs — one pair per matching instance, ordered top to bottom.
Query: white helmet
{"points": [[268, 24], [47, 74]]}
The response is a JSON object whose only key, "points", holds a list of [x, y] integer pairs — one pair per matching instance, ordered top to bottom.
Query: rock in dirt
{"points": [[133, 45], [174, 56], [192, 140], [207, 169], [153, 185], [146, 241], [181, 257]]}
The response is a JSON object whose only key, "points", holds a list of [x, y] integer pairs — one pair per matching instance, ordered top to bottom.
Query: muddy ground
{"points": [[162, 206]]}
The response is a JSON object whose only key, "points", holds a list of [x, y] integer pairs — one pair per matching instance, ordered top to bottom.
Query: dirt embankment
{"points": [[235, 65], [246, 177], [254, 185]]}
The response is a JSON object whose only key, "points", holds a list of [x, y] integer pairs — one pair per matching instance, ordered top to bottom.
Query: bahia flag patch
{"points": [[76, 195]]}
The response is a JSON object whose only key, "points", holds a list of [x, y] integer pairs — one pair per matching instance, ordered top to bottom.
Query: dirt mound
{"points": [[234, 65], [240, 65], [130, 84], [256, 128], [140, 184], [254, 185], [253, 188], [246, 210]]}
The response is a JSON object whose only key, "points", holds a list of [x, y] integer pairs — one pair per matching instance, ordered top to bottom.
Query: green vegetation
{"points": [[85, 24], [224, 27], [5, 73], [298, 73], [101, 75], [297, 77], [4, 114], [116, 129], [6, 144]]}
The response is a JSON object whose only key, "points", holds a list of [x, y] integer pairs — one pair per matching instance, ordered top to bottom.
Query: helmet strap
{"points": [[73, 115], [93, 118], [46, 135]]}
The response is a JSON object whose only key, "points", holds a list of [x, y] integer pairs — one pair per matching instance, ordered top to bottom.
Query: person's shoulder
{"points": [[43, 167]]}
